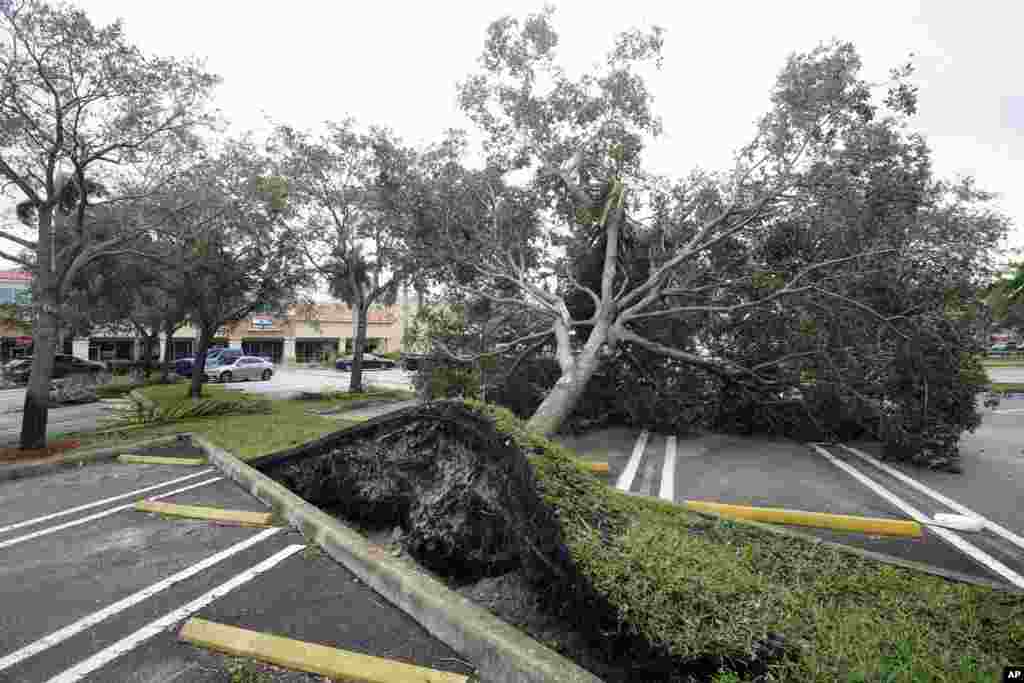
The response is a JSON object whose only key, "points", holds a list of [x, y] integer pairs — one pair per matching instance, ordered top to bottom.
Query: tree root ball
{"points": [[463, 494]]}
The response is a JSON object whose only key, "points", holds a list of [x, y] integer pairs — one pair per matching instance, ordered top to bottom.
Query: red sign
{"points": [[16, 275], [23, 341]]}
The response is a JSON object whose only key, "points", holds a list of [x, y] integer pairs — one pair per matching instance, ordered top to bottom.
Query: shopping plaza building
{"points": [[302, 336]]}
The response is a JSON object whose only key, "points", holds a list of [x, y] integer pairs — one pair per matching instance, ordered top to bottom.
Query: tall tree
{"points": [[83, 110], [346, 194], [235, 253], [702, 258]]}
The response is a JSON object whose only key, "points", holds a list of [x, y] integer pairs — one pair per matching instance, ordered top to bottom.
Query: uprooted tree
{"points": [[84, 112], [829, 249]]}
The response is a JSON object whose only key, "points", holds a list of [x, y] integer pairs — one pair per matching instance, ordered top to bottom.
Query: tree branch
{"points": [[28, 244], [16, 259], [726, 369]]}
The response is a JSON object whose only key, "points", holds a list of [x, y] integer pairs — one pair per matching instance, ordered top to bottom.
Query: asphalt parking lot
{"points": [[778, 473], [95, 590]]}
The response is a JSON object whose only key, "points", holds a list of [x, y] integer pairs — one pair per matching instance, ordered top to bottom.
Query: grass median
{"points": [[288, 423], [691, 585]]}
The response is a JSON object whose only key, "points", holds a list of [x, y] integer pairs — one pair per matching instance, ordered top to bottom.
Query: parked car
{"points": [[1001, 347], [411, 361], [370, 362], [64, 365], [183, 366], [227, 367]]}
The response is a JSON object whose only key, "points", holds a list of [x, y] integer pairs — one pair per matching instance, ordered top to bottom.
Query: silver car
{"points": [[245, 367]]}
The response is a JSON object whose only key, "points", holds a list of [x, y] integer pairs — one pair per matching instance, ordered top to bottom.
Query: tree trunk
{"points": [[360, 313], [44, 338], [148, 342], [168, 352], [199, 364], [576, 373], [37, 395]]}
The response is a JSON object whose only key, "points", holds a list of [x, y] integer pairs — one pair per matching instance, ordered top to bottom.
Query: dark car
{"points": [[412, 361], [370, 362], [64, 365], [183, 366]]}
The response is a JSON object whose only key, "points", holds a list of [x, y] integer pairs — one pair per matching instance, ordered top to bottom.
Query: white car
{"points": [[244, 367]]}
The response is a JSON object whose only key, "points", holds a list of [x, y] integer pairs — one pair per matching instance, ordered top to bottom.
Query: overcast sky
{"points": [[397, 63]]}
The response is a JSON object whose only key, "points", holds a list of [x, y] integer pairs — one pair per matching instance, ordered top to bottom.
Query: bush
{"points": [[392, 355], [439, 378], [73, 389], [523, 391], [143, 412]]}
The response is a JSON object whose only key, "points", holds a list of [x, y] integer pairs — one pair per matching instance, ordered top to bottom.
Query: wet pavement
{"points": [[77, 558]]}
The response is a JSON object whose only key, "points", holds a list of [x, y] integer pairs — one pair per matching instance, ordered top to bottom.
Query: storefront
{"points": [[373, 345], [15, 347], [181, 348], [108, 349], [271, 349], [315, 350]]}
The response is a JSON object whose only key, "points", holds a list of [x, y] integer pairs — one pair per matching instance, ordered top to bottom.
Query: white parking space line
{"points": [[668, 471], [629, 474], [935, 495], [71, 511], [106, 513], [969, 549], [84, 623], [109, 654]]}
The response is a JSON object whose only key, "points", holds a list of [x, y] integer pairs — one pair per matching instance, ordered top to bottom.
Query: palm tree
{"points": [[351, 278]]}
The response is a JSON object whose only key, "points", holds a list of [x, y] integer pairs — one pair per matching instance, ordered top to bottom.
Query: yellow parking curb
{"points": [[159, 460], [595, 467], [212, 514], [867, 525], [303, 656]]}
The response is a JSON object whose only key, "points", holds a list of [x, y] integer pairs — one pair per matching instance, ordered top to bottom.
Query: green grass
{"points": [[1003, 363], [1003, 387], [247, 436], [696, 584]]}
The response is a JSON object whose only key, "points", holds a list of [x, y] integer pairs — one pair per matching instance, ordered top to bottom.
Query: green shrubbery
{"points": [[694, 586]]}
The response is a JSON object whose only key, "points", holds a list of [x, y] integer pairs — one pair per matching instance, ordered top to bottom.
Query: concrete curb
{"points": [[23, 471], [243, 517], [824, 520], [861, 552], [501, 653], [335, 663]]}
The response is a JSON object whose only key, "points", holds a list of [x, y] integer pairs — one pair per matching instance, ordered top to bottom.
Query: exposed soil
{"points": [[54, 448]]}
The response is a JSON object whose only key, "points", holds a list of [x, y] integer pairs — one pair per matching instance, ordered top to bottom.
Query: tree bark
{"points": [[360, 313], [44, 338], [168, 352], [199, 364], [576, 373], [37, 395]]}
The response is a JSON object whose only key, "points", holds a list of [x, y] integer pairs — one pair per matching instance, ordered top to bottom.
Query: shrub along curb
{"points": [[33, 469], [500, 652]]}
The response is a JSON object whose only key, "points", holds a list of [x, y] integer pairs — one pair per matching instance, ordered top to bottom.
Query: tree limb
{"points": [[28, 244], [16, 259], [726, 369]]}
